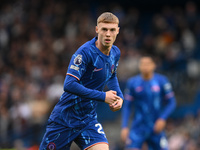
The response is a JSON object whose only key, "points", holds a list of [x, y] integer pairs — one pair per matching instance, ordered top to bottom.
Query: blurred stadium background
{"points": [[38, 37]]}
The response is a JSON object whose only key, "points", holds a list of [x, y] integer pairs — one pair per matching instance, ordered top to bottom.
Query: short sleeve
{"points": [[167, 88]]}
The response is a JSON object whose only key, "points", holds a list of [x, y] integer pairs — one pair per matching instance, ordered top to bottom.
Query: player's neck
{"points": [[105, 50], [147, 76]]}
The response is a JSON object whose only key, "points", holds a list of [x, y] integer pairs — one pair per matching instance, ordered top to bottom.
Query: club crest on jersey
{"points": [[78, 59], [112, 69], [51, 146]]}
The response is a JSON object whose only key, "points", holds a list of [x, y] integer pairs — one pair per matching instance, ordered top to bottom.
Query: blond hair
{"points": [[107, 17]]}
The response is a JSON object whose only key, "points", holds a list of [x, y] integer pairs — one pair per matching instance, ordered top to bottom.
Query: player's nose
{"points": [[108, 33]]}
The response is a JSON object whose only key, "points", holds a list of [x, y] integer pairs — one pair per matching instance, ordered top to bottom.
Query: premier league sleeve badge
{"points": [[78, 60]]}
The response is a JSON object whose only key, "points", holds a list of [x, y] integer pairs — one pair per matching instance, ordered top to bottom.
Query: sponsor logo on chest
{"points": [[155, 88]]}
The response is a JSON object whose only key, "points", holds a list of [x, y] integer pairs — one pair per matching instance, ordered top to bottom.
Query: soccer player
{"points": [[91, 67], [153, 101]]}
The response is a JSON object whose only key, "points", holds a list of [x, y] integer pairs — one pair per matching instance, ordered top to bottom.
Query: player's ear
{"points": [[96, 29], [118, 30], [153, 66]]}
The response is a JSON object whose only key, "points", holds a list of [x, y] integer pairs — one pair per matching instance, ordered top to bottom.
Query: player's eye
{"points": [[104, 29], [113, 29]]}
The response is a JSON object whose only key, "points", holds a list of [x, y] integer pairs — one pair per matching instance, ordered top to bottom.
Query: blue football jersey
{"points": [[93, 70], [151, 99]]}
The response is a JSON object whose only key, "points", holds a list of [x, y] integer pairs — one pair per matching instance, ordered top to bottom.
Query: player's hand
{"points": [[111, 97], [116, 105], [159, 125], [124, 135]]}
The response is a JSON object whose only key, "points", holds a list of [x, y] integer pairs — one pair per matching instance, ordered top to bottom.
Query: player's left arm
{"points": [[113, 84], [169, 99], [169, 105]]}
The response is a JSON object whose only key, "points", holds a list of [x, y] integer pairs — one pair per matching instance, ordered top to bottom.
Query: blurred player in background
{"points": [[92, 67], [153, 100]]}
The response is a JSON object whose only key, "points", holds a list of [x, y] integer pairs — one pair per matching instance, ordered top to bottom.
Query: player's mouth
{"points": [[107, 40]]}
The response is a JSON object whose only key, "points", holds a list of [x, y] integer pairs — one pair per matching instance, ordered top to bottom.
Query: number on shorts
{"points": [[99, 128]]}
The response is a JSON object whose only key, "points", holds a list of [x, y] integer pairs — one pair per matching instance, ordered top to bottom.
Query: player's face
{"points": [[107, 33], [146, 65]]}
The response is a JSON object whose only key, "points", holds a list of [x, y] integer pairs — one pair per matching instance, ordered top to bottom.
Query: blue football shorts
{"points": [[61, 137], [154, 141]]}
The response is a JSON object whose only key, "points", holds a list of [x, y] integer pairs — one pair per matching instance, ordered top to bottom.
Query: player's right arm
{"points": [[77, 67], [73, 86]]}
